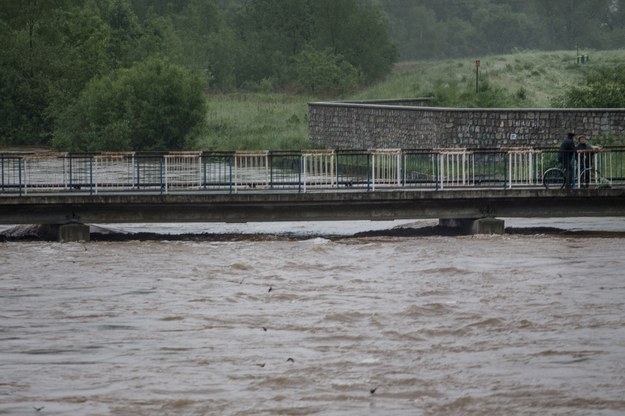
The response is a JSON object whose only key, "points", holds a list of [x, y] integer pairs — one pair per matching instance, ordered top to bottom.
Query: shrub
{"points": [[325, 72], [601, 88], [153, 105]]}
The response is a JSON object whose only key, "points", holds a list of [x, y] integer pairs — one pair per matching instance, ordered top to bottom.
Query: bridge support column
{"points": [[474, 225], [73, 232], [65, 233]]}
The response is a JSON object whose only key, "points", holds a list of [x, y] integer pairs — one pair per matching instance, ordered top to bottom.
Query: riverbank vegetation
{"points": [[89, 75], [524, 79]]}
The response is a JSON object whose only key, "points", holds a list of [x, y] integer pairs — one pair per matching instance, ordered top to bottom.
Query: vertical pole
{"points": [[477, 72], [203, 167], [530, 167], [333, 169], [436, 169], [337, 170], [509, 170], [369, 171], [230, 172], [138, 173], [236, 173], [373, 173], [20, 174], [299, 174], [91, 175], [399, 176], [163, 182], [95, 185]]}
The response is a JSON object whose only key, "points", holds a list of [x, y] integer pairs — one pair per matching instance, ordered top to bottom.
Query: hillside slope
{"points": [[525, 79]]}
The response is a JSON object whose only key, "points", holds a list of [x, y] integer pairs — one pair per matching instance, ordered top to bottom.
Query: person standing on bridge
{"points": [[566, 157]]}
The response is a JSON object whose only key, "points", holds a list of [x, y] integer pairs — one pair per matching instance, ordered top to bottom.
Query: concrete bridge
{"points": [[460, 187], [474, 209]]}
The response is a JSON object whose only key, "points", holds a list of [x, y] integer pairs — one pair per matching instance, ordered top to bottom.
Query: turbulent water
{"points": [[511, 324]]}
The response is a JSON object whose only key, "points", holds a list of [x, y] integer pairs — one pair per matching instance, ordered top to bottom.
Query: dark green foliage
{"points": [[468, 28], [274, 34], [208, 44], [58, 54], [323, 72], [601, 88], [462, 93], [154, 105]]}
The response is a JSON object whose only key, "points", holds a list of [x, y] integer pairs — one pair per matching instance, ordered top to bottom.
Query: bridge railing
{"points": [[524, 166], [318, 169], [113, 171], [298, 171], [47, 172]]}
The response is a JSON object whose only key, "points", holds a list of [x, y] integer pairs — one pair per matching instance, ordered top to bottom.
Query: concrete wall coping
{"points": [[360, 104]]}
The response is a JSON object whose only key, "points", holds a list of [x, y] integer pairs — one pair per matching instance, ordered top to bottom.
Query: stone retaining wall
{"points": [[364, 125]]}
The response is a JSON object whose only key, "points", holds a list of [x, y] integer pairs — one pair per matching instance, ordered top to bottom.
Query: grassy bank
{"points": [[524, 79], [256, 122]]}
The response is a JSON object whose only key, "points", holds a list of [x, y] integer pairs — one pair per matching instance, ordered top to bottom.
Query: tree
{"points": [[475, 27], [501, 29], [357, 31], [273, 32], [125, 33], [419, 35], [75, 42], [208, 44], [41, 56], [325, 72], [601, 88], [153, 105]]}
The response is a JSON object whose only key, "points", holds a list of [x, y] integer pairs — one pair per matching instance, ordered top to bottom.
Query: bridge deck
{"points": [[378, 184], [310, 206]]}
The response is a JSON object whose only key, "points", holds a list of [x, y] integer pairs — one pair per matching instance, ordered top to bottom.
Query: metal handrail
{"points": [[298, 171]]}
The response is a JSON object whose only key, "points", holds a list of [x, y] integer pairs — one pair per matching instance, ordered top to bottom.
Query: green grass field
{"points": [[524, 80], [256, 122]]}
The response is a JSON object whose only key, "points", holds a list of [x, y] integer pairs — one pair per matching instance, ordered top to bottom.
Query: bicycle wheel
{"points": [[590, 177], [554, 178]]}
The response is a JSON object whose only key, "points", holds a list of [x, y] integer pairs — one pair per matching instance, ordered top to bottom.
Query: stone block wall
{"points": [[408, 124]]}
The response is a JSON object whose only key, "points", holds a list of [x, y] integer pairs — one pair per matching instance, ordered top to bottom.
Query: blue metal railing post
{"points": [[270, 161], [337, 169], [402, 169], [436, 170], [506, 171], [162, 172], [138, 173], [230, 173], [369, 173], [299, 174], [20, 175], [91, 175], [204, 178], [71, 185]]}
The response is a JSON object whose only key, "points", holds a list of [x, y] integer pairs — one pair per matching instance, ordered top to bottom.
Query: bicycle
{"points": [[592, 176], [557, 178]]}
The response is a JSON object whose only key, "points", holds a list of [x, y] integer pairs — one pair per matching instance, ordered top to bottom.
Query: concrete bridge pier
{"points": [[474, 225], [66, 233]]}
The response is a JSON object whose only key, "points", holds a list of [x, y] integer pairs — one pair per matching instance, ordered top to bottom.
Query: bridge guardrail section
{"points": [[295, 171]]}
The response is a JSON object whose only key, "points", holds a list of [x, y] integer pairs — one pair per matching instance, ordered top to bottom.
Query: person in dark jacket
{"points": [[566, 156]]}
